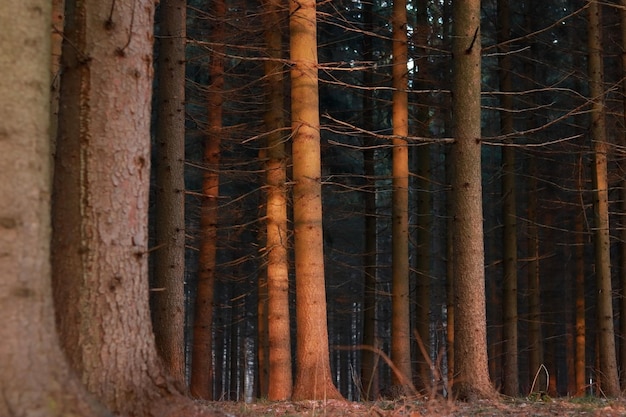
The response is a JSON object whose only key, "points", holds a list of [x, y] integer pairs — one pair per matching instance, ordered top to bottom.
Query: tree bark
{"points": [[100, 208], [277, 234], [622, 260], [400, 292], [168, 294], [509, 297], [606, 335], [470, 364], [202, 367], [35, 377], [313, 378]]}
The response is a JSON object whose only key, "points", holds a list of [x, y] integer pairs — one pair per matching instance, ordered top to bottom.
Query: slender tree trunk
{"points": [[58, 21], [424, 207], [100, 208], [277, 236], [622, 259], [400, 292], [168, 294], [509, 298], [606, 334], [535, 340], [369, 358], [580, 362], [202, 367], [313, 378], [35, 379], [472, 380]]}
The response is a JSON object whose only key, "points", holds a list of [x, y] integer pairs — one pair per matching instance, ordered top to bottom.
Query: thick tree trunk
{"points": [[100, 207], [277, 235], [622, 260], [400, 292], [168, 294], [509, 297], [606, 335], [35, 377], [313, 378], [472, 380]]}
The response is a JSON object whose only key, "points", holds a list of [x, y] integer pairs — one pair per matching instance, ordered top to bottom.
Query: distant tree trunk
{"points": [[424, 206], [100, 208], [277, 235], [622, 259], [400, 292], [168, 294], [509, 299], [606, 334], [535, 340], [201, 358], [369, 358], [580, 362], [472, 375], [35, 378], [313, 378]]}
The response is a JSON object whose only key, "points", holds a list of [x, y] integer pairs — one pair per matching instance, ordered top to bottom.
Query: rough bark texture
{"points": [[100, 207], [277, 235], [622, 260], [400, 292], [168, 296], [509, 297], [606, 337], [470, 363], [202, 367], [35, 378], [313, 378]]}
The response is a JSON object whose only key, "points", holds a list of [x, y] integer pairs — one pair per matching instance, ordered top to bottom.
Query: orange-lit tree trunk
{"points": [[100, 208], [277, 236], [400, 292], [168, 295], [509, 297], [606, 335], [470, 358], [201, 359], [580, 361], [35, 377], [313, 379]]}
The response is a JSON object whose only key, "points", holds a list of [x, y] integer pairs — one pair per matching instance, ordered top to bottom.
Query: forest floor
{"points": [[517, 407]]}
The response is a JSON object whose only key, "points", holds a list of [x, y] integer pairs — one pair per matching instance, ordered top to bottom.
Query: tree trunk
{"points": [[424, 207], [100, 208], [277, 235], [622, 260], [400, 292], [168, 294], [509, 298], [606, 335], [369, 358], [580, 362], [470, 364], [202, 367], [35, 378], [313, 378]]}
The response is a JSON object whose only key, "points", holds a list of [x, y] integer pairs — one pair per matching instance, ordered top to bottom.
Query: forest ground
{"points": [[517, 407]]}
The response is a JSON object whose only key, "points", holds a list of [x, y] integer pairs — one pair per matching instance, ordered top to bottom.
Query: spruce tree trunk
{"points": [[100, 208], [277, 234], [400, 291], [168, 294], [509, 297], [606, 335], [622, 347], [470, 358], [201, 360], [35, 377], [313, 378]]}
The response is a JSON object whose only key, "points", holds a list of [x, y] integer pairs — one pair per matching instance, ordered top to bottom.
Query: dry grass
{"points": [[420, 408]]}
